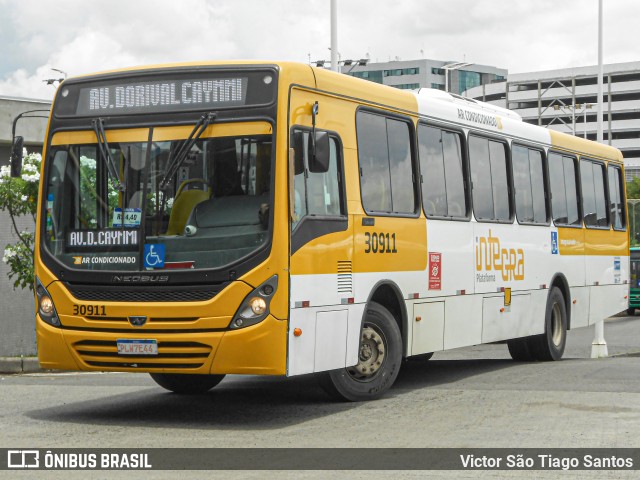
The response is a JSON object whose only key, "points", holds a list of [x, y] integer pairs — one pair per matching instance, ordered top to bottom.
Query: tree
{"points": [[633, 188], [19, 198]]}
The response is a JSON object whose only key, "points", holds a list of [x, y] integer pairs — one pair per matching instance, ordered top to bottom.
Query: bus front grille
{"points": [[139, 293], [177, 355]]}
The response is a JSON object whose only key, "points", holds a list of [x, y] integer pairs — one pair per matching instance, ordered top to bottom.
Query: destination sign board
{"points": [[166, 92], [168, 95]]}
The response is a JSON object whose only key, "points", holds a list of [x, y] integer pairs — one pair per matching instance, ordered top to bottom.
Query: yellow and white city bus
{"points": [[198, 220]]}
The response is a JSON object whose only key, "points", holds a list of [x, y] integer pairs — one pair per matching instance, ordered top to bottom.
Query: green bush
{"points": [[19, 198]]}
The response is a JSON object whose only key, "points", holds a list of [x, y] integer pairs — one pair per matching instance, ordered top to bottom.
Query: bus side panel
{"points": [[452, 245], [606, 257], [517, 258], [569, 258], [607, 300], [580, 306], [463, 322], [328, 338]]}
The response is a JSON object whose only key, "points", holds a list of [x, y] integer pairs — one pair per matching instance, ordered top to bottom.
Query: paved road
{"points": [[472, 397]]}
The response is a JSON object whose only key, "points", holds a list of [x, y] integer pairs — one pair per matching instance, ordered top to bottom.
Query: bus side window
{"points": [[385, 157], [488, 159], [441, 166], [529, 185], [564, 190], [616, 200], [594, 202]]}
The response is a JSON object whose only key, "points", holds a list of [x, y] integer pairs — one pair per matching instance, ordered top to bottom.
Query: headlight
{"points": [[46, 305], [258, 305], [255, 306], [46, 308]]}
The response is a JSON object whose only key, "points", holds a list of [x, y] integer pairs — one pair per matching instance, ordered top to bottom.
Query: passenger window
{"points": [[441, 166], [489, 179], [528, 181], [387, 182], [564, 193], [616, 198], [594, 203]]}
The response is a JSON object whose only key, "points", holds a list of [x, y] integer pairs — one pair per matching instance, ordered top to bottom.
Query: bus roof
{"points": [[425, 101]]}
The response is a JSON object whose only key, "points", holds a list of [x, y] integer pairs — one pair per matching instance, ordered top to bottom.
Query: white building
{"points": [[412, 74], [565, 100]]}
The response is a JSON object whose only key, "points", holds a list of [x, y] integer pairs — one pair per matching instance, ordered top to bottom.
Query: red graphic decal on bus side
{"points": [[435, 271]]}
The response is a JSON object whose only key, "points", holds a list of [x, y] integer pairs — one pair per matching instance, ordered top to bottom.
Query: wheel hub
{"points": [[371, 355]]}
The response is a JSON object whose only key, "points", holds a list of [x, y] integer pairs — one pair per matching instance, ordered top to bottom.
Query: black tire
{"points": [[631, 311], [550, 345], [520, 350], [423, 357], [379, 363], [185, 383]]}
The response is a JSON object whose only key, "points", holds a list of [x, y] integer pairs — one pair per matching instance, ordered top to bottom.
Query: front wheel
{"points": [[631, 311], [379, 359], [186, 383]]}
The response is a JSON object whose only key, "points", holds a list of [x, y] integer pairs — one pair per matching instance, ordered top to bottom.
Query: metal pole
{"points": [[334, 35], [573, 101], [599, 345]]}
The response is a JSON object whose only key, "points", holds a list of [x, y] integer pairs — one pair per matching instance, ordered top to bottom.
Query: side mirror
{"points": [[297, 143], [16, 156], [319, 157]]}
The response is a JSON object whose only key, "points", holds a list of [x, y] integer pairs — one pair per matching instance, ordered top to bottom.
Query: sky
{"points": [[83, 36]]}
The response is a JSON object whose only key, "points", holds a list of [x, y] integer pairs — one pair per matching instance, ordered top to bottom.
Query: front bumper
{"points": [[259, 350]]}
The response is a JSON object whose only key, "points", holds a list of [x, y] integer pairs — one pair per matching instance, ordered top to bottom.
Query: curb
{"points": [[19, 365]]}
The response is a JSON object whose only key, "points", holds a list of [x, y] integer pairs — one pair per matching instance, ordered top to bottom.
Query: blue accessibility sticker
{"points": [[554, 243], [154, 255]]}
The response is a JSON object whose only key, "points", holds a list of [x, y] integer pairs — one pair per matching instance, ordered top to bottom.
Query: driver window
{"points": [[317, 194]]}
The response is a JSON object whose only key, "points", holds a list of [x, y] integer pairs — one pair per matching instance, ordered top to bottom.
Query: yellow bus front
{"points": [[163, 235]]}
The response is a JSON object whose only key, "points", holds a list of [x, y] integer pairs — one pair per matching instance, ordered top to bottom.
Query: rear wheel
{"points": [[631, 311], [550, 345], [519, 349], [379, 359], [185, 383]]}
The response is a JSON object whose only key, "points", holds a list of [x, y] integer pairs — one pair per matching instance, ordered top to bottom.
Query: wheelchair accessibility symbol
{"points": [[154, 255]]}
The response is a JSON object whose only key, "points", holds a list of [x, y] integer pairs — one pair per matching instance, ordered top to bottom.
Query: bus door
{"points": [[321, 250]]}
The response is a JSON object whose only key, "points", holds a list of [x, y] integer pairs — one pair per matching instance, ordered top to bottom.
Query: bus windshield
{"points": [[212, 211]]}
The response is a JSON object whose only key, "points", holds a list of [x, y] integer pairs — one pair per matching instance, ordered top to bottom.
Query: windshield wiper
{"points": [[105, 151], [180, 156]]}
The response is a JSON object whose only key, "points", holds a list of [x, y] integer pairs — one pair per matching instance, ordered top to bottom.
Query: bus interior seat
{"points": [[183, 205], [229, 211]]}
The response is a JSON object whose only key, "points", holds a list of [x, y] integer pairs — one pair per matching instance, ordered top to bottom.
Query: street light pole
{"points": [[334, 36], [599, 345]]}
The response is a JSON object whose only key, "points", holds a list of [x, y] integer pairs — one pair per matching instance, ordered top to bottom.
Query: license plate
{"points": [[137, 347]]}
